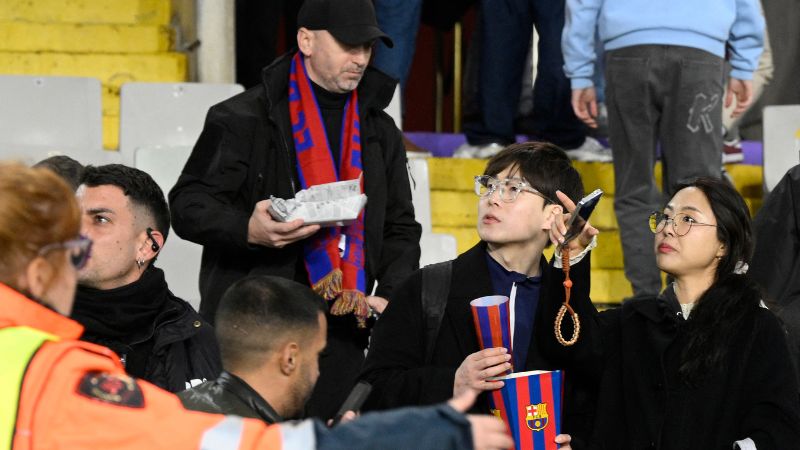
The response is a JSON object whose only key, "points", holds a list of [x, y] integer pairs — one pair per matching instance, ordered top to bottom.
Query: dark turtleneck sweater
{"points": [[331, 107], [158, 336]]}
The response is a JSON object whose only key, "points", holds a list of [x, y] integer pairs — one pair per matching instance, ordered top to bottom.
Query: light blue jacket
{"points": [[704, 24]]}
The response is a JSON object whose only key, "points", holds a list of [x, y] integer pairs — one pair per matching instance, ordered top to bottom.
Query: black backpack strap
{"points": [[435, 289]]}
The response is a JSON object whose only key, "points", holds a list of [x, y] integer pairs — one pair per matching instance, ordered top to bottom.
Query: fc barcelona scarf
{"points": [[338, 279]]}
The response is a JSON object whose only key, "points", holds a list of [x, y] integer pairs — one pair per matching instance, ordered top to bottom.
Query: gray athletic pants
{"points": [[667, 95]]}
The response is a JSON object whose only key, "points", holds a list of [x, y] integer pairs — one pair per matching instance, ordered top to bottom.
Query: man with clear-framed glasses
{"points": [[486, 185], [516, 207]]}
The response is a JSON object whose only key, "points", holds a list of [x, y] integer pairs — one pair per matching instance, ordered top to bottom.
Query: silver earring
{"points": [[140, 263]]}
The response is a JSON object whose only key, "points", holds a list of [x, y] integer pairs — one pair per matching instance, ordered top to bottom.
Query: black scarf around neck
{"points": [[126, 315]]}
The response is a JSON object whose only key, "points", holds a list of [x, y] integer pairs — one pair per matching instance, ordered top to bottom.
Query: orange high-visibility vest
{"points": [[57, 392]]}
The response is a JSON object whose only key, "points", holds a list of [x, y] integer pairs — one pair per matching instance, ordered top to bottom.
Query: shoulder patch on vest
{"points": [[113, 388]]}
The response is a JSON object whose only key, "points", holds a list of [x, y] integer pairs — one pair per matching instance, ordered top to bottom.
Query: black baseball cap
{"points": [[351, 22]]}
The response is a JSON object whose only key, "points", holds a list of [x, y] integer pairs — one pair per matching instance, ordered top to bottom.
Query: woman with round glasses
{"points": [[704, 365]]}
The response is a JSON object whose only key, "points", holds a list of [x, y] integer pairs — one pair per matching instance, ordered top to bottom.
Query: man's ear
{"points": [[305, 40], [550, 212], [155, 241], [148, 251], [290, 358]]}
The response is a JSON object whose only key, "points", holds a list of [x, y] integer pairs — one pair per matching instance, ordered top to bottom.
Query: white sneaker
{"points": [[489, 150], [465, 151], [477, 151], [590, 151]]}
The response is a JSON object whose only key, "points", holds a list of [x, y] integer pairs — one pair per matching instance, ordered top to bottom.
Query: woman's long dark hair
{"points": [[732, 297]]}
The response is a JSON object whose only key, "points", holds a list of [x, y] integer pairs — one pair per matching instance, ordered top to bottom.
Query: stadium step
{"points": [[143, 12], [83, 38]]}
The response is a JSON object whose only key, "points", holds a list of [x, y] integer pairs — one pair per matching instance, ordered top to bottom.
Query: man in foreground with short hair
{"points": [[122, 300], [270, 331]]}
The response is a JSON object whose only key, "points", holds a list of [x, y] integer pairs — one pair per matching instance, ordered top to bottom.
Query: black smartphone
{"points": [[581, 215], [354, 400]]}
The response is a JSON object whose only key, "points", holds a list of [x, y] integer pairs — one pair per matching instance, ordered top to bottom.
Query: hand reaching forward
{"points": [[488, 432]]}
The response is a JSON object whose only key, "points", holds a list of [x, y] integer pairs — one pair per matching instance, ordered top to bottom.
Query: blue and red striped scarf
{"points": [[338, 279]]}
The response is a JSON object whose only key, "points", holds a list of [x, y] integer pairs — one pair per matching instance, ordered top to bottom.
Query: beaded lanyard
{"points": [[565, 307]]}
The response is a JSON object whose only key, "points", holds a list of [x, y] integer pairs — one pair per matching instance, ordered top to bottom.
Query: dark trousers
{"points": [[505, 39], [667, 95], [339, 366]]}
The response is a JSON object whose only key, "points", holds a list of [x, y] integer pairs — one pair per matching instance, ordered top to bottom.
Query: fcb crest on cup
{"points": [[530, 404], [536, 416]]}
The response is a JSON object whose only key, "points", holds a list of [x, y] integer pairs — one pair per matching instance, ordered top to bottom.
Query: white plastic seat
{"points": [[395, 107], [166, 114], [42, 116], [159, 125], [781, 125], [420, 191], [437, 247], [179, 259]]}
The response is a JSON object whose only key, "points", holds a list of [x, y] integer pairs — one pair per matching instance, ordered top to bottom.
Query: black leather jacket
{"points": [[229, 394]]}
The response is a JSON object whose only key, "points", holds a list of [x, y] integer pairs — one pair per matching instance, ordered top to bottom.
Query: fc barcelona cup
{"points": [[492, 318], [530, 404]]}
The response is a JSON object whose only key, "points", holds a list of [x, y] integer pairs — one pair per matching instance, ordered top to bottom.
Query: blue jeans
{"points": [[400, 20], [506, 27]]}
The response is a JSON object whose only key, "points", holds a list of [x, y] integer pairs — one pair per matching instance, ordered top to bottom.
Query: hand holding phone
{"points": [[579, 216], [354, 401]]}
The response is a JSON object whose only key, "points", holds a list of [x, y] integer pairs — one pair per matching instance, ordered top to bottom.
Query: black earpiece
{"points": [[154, 244]]}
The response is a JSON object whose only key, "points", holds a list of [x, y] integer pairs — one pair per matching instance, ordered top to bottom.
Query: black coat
{"points": [[246, 153], [776, 258], [160, 338], [635, 352], [395, 363], [229, 395]]}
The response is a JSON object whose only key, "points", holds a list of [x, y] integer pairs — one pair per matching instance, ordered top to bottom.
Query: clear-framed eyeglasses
{"points": [[509, 189], [681, 223], [79, 250]]}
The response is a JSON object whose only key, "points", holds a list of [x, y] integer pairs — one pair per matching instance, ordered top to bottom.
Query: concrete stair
{"points": [[116, 41], [454, 211]]}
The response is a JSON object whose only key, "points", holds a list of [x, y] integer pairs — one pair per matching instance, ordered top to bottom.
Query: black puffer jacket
{"points": [[246, 153], [159, 337]]}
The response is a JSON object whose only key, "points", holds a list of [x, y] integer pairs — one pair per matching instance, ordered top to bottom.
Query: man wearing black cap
{"points": [[317, 117]]}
